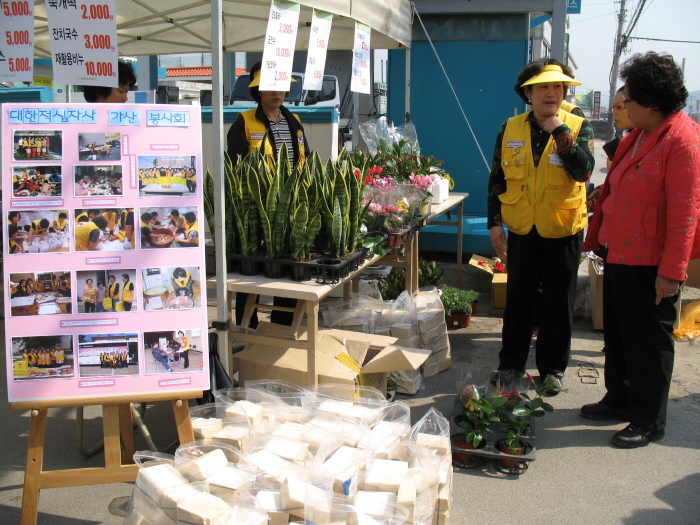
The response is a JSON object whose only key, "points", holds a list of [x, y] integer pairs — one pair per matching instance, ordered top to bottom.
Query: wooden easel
{"points": [[118, 444]]}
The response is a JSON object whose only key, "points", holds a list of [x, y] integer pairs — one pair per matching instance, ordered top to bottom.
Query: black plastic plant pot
{"points": [[232, 264], [249, 267], [275, 270], [300, 272]]}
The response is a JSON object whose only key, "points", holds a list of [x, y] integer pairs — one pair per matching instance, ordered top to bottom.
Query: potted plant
{"points": [[430, 274], [393, 285], [472, 297], [448, 299], [457, 304], [478, 412], [518, 420]]}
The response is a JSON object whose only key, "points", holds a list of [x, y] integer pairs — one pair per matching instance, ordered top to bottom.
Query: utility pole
{"points": [[616, 66]]}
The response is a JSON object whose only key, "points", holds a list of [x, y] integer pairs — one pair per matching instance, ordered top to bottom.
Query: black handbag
{"points": [[219, 379]]}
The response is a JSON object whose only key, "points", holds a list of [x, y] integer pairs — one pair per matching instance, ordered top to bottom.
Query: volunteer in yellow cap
{"points": [[268, 126], [537, 189]]}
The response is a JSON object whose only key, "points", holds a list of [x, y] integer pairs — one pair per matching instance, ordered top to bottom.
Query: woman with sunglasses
{"points": [[645, 225]]}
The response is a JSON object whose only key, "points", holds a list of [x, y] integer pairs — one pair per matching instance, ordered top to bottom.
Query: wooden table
{"points": [[308, 295]]}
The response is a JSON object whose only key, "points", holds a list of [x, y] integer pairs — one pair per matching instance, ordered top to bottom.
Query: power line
{"points": [[592, 18], [662, 40]]}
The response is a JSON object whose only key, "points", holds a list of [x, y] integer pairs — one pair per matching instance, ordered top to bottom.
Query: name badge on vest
{"points": [[256, 136], [515, 144], [556, 160]]}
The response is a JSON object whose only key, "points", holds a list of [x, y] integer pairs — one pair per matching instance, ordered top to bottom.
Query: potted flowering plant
{"points": [[422, 183], [430, 274], [478, 412], [518, 419]]}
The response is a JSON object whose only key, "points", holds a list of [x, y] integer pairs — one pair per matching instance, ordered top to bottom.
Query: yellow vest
{"points": [[568, 106], [255, 131], [546, 196], [83, 215], [111, 218], [59, 224], [36, 226], [191, 227], [82, 235], [182, 283], [112, 287], [127, 291]]}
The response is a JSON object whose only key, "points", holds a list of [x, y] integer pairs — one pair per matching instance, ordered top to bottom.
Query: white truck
{"points": [[328, 95]]}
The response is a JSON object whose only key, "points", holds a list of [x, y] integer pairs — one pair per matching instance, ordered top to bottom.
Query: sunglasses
{"points": [[617, 107]]}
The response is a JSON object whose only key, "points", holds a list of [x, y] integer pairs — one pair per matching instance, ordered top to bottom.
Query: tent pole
{"points": [[407, 111], [217, 112]]}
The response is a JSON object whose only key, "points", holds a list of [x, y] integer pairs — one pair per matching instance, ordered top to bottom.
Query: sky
{"points": [[592, 38]]}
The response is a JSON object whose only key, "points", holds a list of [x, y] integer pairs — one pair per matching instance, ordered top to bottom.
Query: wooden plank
{"points": [[250, 305], [298, 316], [312, 337], [269, 340], [106, 400], [183, 421], [110, 424], [126, 431], [33, 467], [88, 476]]}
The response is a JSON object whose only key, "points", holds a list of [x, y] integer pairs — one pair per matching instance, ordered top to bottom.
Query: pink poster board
{"points": [[111, 194]]}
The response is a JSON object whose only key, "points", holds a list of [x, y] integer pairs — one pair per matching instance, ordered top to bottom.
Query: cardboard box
{"points": [[693, 273], [499, 281], [596, 296], [376, 355], [429, 370]]}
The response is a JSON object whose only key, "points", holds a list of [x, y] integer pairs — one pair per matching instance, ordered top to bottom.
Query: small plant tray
{"points": [[325, 269], [490, 450]]}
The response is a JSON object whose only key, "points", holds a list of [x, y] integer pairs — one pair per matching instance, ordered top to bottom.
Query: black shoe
{"points": [[504, 377], [557, 381], [602, 412], [633, 436]]}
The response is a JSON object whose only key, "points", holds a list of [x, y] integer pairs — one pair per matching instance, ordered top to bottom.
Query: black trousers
{"points": [[553, 262], [283, 318], [639, 348]]}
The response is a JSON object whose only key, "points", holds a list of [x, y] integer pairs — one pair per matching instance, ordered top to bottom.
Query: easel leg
{"points": [[248, 311], [311, 342], [183, 421], [110, 424], [127, 433], [34, 467]]}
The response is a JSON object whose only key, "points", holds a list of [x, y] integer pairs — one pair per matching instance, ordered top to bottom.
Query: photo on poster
{"points": [[38, 144], [100, 146], [174, 176], [91, 180], [36, 181], [169, 227], [104, 229], [38, 231], [171, 288], [102, 291], [40, 293], [173, 351], [108, 355], [42, 357]]}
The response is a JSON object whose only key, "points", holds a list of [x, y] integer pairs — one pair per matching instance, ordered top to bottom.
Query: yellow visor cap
{"points": [[551, 73]]}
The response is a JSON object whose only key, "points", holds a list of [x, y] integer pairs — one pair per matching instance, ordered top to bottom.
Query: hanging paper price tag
{"points": [[17, 41], [84, 42], [318, 46], [278, 51], [360, 60]]}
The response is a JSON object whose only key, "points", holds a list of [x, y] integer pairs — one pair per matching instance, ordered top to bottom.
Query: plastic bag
{"points": [[689, 327], [389, 425]]}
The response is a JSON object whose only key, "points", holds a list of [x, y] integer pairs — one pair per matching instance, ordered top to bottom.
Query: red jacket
{"points": [[653, 214]]}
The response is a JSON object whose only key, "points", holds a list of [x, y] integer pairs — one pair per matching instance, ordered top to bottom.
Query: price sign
{"points": [[17, 41], [84, 42], [318, 46], [278, 51], [360, 60]]}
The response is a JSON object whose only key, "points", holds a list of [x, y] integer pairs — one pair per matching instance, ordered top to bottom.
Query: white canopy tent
{"points": [[159, 27]]}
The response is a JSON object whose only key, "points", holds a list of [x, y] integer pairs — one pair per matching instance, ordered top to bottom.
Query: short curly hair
{"points": [[535, 68], [127, 79], [655, 81]]}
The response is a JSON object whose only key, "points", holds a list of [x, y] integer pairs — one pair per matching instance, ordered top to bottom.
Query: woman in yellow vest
{"points": [[246, 135], [541, 163], [111, 217], [61, 223], [38, 228], [191, 233], [88, 235], [182, 283], [112, 292], [127, 292], [89, 296], [184, 349]]}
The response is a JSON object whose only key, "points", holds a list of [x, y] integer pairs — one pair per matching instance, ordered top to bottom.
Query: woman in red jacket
{"points": [[646, 226]]}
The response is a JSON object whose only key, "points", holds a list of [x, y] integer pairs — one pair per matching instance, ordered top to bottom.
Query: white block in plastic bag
{"points": [[206, 428], [441, 444], [205, 465], [386, 475], [228, 480], [270, 500], [372, 502], [202, 509]]}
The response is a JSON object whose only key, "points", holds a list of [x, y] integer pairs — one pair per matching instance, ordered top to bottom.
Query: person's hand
{"points": [[551, 123], [593, 197], [498, 240], [666, 287]]}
